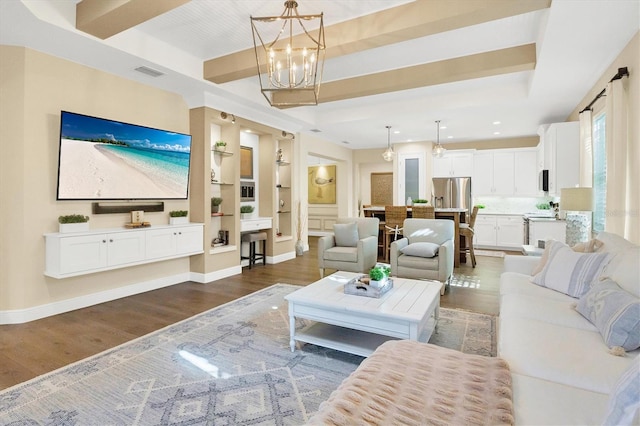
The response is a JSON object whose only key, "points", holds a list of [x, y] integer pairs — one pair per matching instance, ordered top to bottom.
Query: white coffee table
{"points": [[358, 324]]}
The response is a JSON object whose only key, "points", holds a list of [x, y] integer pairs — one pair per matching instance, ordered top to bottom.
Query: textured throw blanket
{"points": [[411, 383]]}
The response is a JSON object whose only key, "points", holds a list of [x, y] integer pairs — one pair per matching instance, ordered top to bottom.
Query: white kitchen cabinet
{"points": [[562, 155], [459, 164], [505, 172], [493, 173], [526, 173], [546, 229], [498, 231], [80, 253]]}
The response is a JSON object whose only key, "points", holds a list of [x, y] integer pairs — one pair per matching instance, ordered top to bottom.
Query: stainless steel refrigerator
{"points": [[452, 192]]}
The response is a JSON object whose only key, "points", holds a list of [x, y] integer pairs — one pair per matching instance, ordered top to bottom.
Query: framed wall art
{"points": [[246, 162], [322, 184]]}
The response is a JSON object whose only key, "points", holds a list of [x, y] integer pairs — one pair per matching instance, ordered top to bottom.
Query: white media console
{"points": [[80, 253]]}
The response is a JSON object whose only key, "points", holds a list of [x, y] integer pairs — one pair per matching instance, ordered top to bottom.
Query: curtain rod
{"points": [[622, 72]]}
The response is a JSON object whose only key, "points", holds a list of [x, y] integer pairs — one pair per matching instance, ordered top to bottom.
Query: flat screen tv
{"points": [[104, 159]]}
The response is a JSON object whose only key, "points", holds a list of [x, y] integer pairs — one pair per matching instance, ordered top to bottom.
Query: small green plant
{"points": [[220, 144], [216, 201], [420, 201], [480, 206], [543, 206], [246, 209], [178, 213], [73, 218], [378, 273]]}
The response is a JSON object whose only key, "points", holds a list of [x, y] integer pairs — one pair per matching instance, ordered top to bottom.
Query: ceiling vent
{"points": [[149, 71], [316, 130]]}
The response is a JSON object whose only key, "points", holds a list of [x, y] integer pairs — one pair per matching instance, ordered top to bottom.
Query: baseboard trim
{"points": [[217, 275], [19, 316]]}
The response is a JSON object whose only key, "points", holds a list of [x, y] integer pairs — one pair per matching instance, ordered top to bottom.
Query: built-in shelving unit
{"points": [[223, 186], [284, 199]]}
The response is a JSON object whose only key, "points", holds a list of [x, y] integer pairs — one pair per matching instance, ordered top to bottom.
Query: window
{"points": [[599, 172]]}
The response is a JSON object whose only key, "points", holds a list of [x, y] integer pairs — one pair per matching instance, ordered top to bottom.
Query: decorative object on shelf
{"points": [[290, 56], [226, 116], [288, 135], [220, 146], [438, 150], [388, 153], [279, 156], [213, 176], [322, 184], [409, 201], [578, 201], [420, 202], [281, 203], [215, 204], [246, 211], [137, 216], [178, 217], [73, 223], [134, 225], [300, 225], [221, 240]]}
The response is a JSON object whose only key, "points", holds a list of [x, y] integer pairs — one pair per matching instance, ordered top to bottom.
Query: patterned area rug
{"points": [[229, 365]]}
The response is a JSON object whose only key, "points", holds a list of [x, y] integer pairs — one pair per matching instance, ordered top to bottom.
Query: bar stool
{"points": [[423, 212], [394, 217], [466, 231], [251, 238]]}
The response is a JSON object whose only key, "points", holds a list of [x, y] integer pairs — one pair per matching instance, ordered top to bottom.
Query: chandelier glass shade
{"points": [[290, 56], [438, 150], [388, 153]]}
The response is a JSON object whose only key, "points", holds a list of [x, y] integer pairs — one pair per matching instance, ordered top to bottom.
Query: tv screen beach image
{"points": [[110, 160]]}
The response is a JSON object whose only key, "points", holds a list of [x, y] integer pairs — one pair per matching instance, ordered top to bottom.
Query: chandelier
{"points": [[290, 55], [438, 150], [388, 154]]}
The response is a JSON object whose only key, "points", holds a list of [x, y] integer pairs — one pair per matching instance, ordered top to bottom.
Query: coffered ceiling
{"points": [[468, 63]]}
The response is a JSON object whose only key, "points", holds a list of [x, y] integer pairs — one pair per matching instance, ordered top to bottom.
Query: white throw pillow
{"points": [[346, 234], [421, 249], [624, 268], [569, 272], [614, 312], [624, 404]]}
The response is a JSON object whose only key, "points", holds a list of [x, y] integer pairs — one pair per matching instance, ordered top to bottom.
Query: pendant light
{"points": [[438, 150], [388, 154]]}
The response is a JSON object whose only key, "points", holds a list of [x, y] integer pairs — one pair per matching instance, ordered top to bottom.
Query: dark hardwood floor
{"points": [[34, 348]]}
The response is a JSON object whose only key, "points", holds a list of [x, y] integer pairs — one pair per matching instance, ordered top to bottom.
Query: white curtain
{"points": [[586, 151], [622, 197]]}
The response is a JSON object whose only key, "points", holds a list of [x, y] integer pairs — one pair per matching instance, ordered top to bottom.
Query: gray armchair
{"points": [[352, 248], [419, 261]]}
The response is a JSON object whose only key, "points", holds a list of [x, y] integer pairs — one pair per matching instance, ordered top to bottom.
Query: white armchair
{"points": [[352, 248], [412, 258]]}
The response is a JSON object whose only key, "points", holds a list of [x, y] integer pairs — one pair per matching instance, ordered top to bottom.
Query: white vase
{"points": [[178, 220], [74, 227], [299, 248]]}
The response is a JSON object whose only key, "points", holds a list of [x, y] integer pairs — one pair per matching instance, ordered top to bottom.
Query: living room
{"points": [[38, 82]]}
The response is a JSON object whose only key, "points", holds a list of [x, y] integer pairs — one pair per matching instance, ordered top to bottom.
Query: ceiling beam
{"points": [[104, 18], [406, 22], [503, 61]]}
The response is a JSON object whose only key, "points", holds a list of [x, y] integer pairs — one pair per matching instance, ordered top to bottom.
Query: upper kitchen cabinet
{"points": [[561, 147], [453, 164], [505, 172], [493, 173]]}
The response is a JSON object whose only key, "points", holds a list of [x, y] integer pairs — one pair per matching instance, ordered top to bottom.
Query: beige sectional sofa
{"points": [[562, 370]]}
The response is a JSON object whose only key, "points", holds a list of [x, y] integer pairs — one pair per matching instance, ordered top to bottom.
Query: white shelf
{"points": [[222, 249], [342, 339]]}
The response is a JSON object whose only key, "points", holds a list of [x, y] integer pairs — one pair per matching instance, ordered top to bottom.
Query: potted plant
{"points": [[220, 146], [420, 202], [215, 204], [246, 211], [177, 217], [73, 223], [379, 275]]}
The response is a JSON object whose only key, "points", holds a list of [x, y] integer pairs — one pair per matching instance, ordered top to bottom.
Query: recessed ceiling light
{"points": [[496, 122], [443, 127], [247, 131], [395, 132], [496, 133], [449, 137], [345, 142]]}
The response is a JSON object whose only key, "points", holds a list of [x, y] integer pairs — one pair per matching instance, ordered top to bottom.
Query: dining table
{"points": [[458, 215]]}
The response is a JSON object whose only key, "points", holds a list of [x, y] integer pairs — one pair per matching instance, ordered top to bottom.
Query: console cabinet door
{"points": [[189, 239], [160, 243], [125, 247], [82, 253]]}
